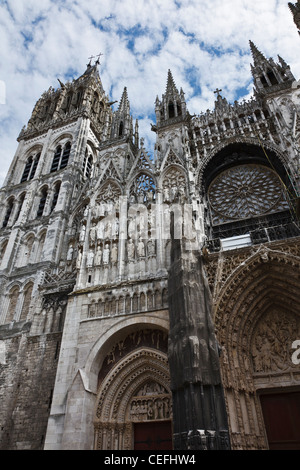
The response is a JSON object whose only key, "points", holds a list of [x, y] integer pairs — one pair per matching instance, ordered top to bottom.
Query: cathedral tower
{"points": [[152, 302]]}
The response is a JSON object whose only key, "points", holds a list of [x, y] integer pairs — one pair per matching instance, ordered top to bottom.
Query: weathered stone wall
{"points": [[27, 373]]}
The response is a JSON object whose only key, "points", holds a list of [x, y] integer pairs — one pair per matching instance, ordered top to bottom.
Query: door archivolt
{"points": [[257, 319], [137, 389]]}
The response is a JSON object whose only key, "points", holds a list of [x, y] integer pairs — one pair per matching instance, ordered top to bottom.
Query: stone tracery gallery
{"points": [[153, 303]]}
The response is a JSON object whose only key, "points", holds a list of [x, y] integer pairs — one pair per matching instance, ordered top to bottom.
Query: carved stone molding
{"points": [[257, 318], [137, 389]]}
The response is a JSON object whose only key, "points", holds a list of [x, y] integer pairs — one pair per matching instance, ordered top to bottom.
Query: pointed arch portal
{"points": [[257, 318], [133, 406]]}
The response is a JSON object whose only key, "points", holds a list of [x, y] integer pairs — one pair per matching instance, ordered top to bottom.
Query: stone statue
{"points": [[82, 233], [93, 234], [141, 249], [130, 250], [70, 253], [106, 253], [114, 254], [98, 257], [79, 259], [90, 259]]}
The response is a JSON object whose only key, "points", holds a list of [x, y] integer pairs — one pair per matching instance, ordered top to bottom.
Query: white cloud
{"points": [[205, 44]]}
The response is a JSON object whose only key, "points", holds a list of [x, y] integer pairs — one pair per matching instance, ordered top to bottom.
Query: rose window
{"points": [[245, 191]]}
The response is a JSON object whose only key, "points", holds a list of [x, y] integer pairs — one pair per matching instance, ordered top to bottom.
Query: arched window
{"points": [[272, 78], [171, 110], [179, 111], [121, 127], [65, 155], [61, 157], [56, 159], [87, 164], [30, 168], [27, 169], [55, 196], [42, 202], [20, 205], [10, 206], [41, 241], [3, 247], [27, 250], [26, 302], [12, 306]]}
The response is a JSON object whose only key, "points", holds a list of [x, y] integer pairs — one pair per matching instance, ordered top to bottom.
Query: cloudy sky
{"points": [[204, 43]]}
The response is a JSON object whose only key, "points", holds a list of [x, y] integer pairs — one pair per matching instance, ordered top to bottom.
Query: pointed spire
{"points": [[295, 9], [258, 57], [171, 87], [124, 103]]}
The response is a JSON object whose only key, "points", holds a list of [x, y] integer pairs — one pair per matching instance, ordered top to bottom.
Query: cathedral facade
{"points": [[152, 302]]}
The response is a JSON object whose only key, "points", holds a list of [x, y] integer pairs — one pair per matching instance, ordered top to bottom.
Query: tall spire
{"points": [[295, 9], [258, 56], [171, 87], [172, 108], [122, 121]]}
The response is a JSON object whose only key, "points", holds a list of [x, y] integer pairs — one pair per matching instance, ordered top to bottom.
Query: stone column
{"points": [[199, 413]]}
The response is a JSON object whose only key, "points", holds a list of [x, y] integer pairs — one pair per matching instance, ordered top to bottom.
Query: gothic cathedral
{"points": [[152, 301]]}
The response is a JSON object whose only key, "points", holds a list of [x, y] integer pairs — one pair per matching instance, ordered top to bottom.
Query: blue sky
{"points": [[204, 43]]}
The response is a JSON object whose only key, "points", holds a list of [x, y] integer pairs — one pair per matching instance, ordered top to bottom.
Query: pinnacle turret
{"points": [[269, 75]]}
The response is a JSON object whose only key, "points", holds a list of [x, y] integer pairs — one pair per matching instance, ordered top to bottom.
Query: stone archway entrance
{"points": [[257, 318], [134, 399]]}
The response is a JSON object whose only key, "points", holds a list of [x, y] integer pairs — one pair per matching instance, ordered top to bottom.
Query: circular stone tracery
{"points": [[245, 191]]}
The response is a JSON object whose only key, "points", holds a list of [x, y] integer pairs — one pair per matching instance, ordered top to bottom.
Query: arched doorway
{"points": [[257, 317], [134, 407]]}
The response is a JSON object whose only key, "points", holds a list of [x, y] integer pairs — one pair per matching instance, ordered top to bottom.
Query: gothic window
{"points": [[272, 78], [77, 98], [95, 103], [171, 110], [179, 112], [121, 129], [65, 155], [61, 157], [56, 159], [87, 164], [30, 168], [27, 169], [174, 185], [142, 187], [245, 191], [55, 196], [42, 203], [20, 205], [9, 209], [41, 241], [28, 249], [3, 250], [26, 302], [12, 305]]}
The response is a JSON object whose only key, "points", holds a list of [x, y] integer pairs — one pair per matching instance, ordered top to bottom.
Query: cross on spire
{"points": [[95, 57], [98, 58], [90, 59], [218, 91]]}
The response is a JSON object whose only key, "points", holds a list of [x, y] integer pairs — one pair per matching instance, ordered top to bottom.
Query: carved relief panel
{"points": [[272, 342]]}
